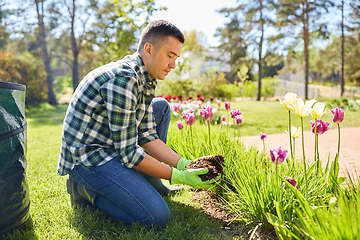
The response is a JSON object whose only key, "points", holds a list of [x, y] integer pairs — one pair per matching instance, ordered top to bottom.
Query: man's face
{"points": [[162, 58]]}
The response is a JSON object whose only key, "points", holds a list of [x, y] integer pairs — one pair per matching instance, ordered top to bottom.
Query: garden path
{"points": [[349, 159]]}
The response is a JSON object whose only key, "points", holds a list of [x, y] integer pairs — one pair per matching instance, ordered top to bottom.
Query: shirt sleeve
{"points": [[120, 95], [147, 131]]}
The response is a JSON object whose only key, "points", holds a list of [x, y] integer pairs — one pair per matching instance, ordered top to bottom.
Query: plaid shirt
{"points": [[110, 114]]}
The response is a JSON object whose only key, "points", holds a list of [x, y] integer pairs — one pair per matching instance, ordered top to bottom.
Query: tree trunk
{"points": [[306, 45], [342, 48], [75, 50], [49, 78], [258, 98]]}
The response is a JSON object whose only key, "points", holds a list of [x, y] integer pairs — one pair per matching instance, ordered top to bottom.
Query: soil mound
{"points": [[215, 164]]}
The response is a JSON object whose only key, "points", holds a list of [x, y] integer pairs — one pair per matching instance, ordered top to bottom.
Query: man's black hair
{"points": [[157, 31]]}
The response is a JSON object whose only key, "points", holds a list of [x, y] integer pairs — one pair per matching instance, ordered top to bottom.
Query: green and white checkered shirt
{"points": [[110, 114]]}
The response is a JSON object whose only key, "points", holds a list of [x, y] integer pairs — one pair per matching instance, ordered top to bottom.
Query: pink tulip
{"points": [[218, 101], [227, 105], [176, 107], [191, 110], [206, 113], [235, 113], [185, 115], [338, 115], [223, 118], [238, 119], [190, 120], [180, 124], [321, 127], [263, 135], [278, 156], [291, 181]]}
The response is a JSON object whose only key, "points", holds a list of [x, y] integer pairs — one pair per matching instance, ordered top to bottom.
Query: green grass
{"points": [[54, 218]]}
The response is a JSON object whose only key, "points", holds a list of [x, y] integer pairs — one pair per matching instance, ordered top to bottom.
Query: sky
{"points": [[197, 15]]}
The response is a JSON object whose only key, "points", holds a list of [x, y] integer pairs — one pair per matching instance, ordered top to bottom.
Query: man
{"points": [[109, 134]]}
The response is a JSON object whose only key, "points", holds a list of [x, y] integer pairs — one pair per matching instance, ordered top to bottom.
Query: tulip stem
{"points": [[315, 130], [209, 132], [192, 140], [303, 148], [338, 152], [292, 156], [277, 180]]}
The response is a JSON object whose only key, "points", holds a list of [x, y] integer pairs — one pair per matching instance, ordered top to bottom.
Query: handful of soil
{"points": [[215, 164]]}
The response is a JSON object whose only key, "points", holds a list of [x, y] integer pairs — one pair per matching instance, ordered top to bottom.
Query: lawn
{"points": [[54, 218]]}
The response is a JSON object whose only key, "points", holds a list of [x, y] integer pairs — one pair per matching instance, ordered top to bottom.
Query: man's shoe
{"points": [[159, 186], [76, 198]]}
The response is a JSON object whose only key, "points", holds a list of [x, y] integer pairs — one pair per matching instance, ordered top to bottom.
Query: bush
{"points": [[26, 73], [342, 102]]}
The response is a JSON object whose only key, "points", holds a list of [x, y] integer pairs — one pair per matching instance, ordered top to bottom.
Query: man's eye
{"points": [[170, 56]]}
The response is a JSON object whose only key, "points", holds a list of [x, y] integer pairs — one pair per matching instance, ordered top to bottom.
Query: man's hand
{"points": [[183, 163], [191, 177]]}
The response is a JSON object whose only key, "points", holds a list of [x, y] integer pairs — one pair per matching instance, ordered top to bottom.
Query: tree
{"points": [[293, 13], [253, 15], [42, 39], [232, 41]]}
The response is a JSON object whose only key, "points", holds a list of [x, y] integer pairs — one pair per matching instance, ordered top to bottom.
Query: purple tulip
{"points": [[227, 106], [176, 107], [206, 113], [338, 115], [238, 119], [190, 120], [180, 124], [321, 127], [263, 135], [278, 156], [291, 181]]}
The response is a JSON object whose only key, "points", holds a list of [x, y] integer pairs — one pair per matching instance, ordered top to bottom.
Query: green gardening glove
{"points": [[183, 163], [191, 177]]}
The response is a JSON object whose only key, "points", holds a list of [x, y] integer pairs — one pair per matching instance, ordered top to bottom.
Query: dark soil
{"points": [[215, 164]]}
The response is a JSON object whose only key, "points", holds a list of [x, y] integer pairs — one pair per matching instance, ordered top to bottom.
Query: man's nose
{"points": [[172, 64]]}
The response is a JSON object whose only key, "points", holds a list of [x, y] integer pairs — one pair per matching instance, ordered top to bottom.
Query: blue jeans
{"points": [[122, 192]]}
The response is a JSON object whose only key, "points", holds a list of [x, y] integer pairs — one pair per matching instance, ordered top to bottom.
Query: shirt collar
{"points": [[143, 73]]}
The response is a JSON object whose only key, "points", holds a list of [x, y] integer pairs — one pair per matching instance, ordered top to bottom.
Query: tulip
{"points": [[218, 101], [289, 101], [289, 104], [227, 106], [176, 107], [301, 109], [191, 110], [318, 110], [208, 113], [235, 113], [185, 115], [338, 117], [223, 118], [238, 119], [190, 120], [180, 124], [321, 127], [294, 133], [263, 136], [278, 156], [291, 181]]}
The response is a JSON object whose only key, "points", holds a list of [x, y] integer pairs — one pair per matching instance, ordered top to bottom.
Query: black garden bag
{"points": [[14, 190]]}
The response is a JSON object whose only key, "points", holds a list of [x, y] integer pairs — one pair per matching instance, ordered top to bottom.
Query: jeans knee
{"points": [[160, 218]]}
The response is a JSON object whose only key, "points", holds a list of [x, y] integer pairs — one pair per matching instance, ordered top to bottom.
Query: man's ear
{"points": [[148, 49]]}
